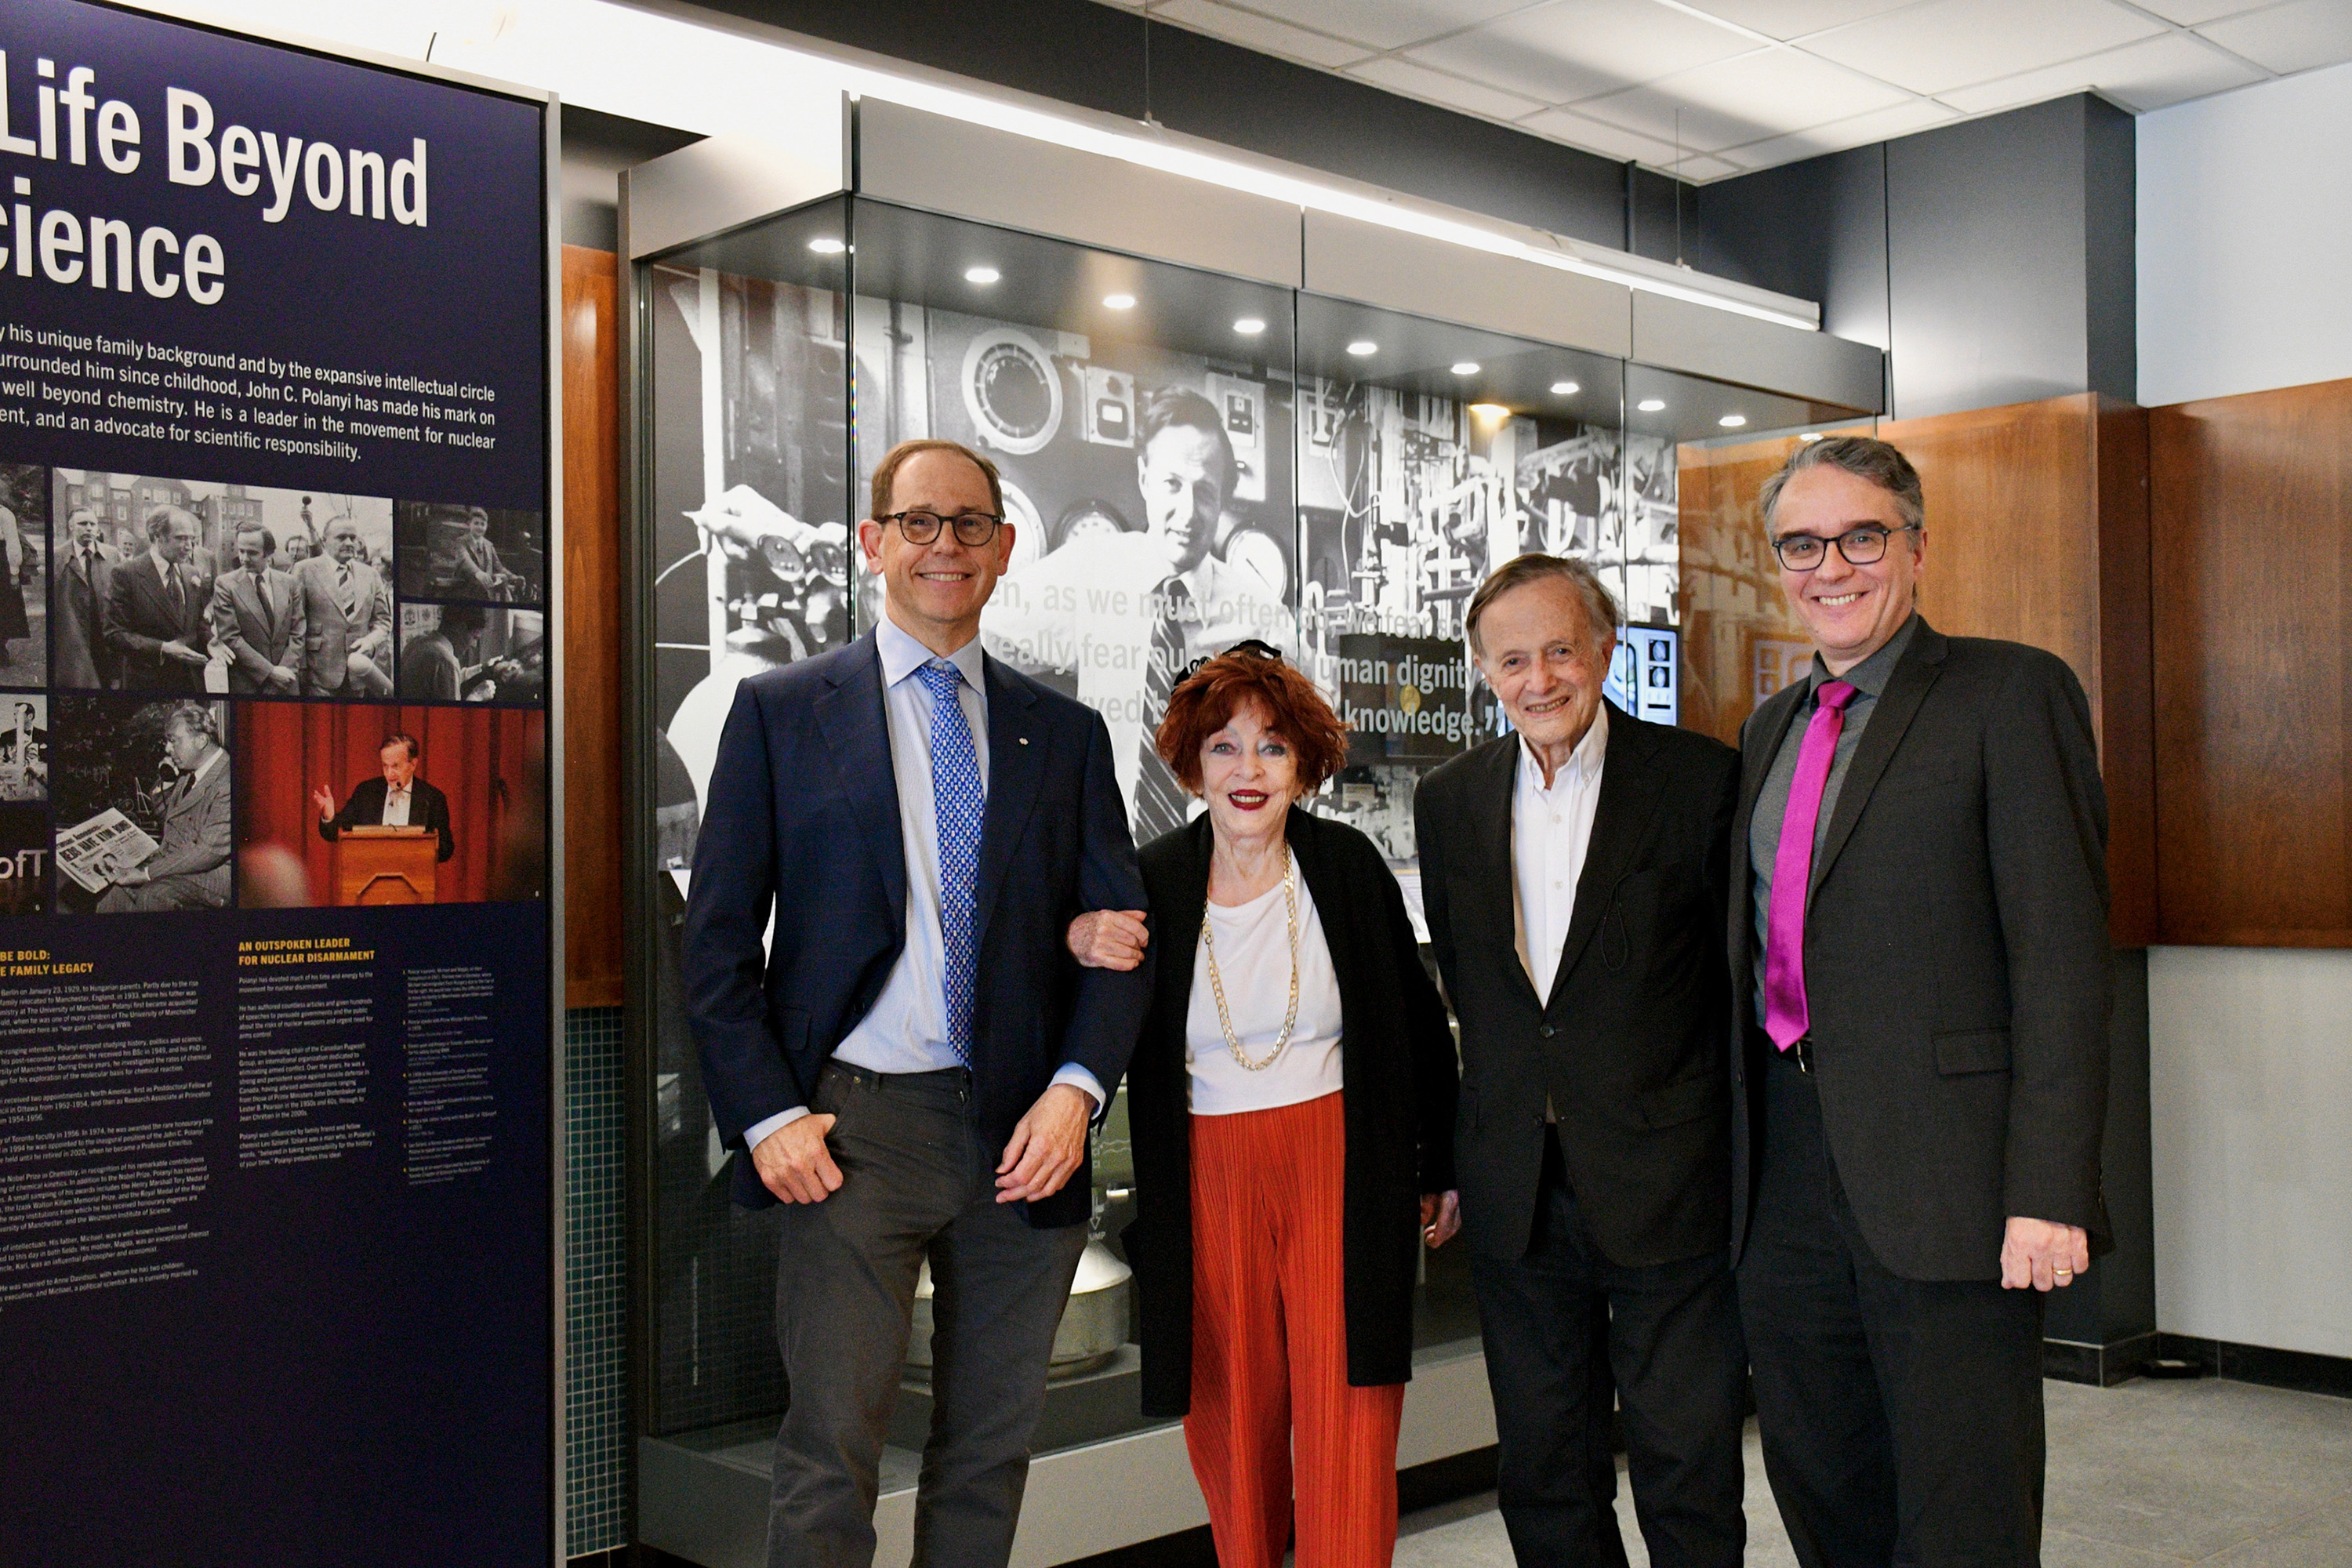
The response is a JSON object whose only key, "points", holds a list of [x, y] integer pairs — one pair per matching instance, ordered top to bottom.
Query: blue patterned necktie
{"points": [[959, 801]]}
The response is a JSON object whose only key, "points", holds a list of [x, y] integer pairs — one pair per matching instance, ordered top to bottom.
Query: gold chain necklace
{"points": [[1217, 983]]}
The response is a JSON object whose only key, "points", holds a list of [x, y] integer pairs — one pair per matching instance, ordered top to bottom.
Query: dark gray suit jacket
{"points": [[1957, 972], [1631, 1044]]}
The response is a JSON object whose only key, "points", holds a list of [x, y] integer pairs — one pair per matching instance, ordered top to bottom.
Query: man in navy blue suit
{"points": [[913, 1061]]}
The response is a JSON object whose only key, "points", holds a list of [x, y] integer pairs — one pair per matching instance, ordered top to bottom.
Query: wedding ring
{"points": [[2062, 1273]]}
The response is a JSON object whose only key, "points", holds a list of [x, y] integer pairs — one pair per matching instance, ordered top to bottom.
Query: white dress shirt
{"points": [[396, 804], [1551, 829], [1254, 962], [907, 1028]]}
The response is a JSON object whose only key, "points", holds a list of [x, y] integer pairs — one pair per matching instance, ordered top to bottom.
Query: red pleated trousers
{"points": [[1272, 1412]]}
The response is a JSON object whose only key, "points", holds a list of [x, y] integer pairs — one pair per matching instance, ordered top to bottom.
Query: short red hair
{"points": [[1208, 698]]}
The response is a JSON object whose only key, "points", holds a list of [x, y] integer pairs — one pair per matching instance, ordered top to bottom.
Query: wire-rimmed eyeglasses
{"points": [[1863, 546]]}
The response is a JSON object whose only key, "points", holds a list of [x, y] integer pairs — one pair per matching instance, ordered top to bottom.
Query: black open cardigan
{"points": [[1398, 1063]]}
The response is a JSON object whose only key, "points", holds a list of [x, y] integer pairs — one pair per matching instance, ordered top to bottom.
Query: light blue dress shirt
{"points": [[906, 1029]]}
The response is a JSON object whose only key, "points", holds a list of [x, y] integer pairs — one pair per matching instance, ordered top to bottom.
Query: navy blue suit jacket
{"points": [[802, 817]]}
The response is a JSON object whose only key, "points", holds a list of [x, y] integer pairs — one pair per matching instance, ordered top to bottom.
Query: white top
{"points": [[395, 806], [1551, 829], [1254, 961], [905, 1031]]}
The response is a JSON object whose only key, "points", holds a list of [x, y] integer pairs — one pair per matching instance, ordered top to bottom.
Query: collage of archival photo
{"points": [[213, 693]]}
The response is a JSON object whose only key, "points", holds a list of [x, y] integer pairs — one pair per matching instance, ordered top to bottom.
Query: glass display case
{"points": [[1331, 476]]}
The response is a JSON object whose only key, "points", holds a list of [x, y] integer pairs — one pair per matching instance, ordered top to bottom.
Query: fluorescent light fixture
{"points": [[825, 244], [980, 275], [1118, 302], [1249, 326], [1362, 347], [1465, 367], [1565, 389], [1652, 405], [1492, 413], [1732, 421], [1811, 436]]}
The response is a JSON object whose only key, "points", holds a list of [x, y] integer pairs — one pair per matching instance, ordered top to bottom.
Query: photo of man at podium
{"points": [[398, 806]]}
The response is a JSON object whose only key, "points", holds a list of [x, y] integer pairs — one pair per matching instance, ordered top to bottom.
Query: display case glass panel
{"points": [[1187, 460]]}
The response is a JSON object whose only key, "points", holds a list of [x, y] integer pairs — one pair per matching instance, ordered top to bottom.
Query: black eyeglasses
{"points": [[972, 529], [1861, 546], [1247, 645]]}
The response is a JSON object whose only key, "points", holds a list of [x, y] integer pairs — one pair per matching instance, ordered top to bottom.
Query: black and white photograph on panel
{"points": [[1149, 492], [483, 555], [140, 559], [24, 577], [472, 653], [24, 746], [142, 795], [24, 857]]}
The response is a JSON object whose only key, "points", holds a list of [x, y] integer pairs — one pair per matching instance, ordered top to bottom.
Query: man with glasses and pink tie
{"points": [[1919, 923]]}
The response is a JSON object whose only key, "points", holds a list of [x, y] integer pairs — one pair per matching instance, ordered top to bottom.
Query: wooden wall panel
{"points": [[2037, 531], [2252, 573], [592, 634]]}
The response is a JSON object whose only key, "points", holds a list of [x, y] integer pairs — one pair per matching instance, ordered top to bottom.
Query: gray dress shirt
{"points": [[1868, 678]]}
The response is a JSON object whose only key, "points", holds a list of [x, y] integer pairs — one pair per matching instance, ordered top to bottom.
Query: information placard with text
{"points": [[275, 1182]]}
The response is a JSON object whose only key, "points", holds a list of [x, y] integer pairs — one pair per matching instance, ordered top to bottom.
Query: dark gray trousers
{"points": [[918, 1180], [1561, 1325], [1901, 1418]]}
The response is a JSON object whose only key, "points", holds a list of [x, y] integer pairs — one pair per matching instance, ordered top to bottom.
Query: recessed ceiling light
{"points": [[825, 244], [980, 275], [1118, 302], [1249, 326], [1363, 347], [1465, 367], [1565, 389], [1651, 404], [1491, 411], [1732, 421]]}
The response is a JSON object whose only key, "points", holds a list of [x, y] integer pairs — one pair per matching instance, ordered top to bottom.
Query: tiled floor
{"points": [[2144, 1476]]}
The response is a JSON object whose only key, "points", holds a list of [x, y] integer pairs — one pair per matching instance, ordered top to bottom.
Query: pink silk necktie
{"points": [[1785, 1016]]}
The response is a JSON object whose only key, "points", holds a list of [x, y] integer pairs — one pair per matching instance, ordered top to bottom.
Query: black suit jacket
{"points": [[140, 619], [427, 807], [802, 816], [1957, 970], [1631, 1043], [1397, 1061]]}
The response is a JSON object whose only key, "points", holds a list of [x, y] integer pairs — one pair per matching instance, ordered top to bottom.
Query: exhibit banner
{"points": [[276, 912]]}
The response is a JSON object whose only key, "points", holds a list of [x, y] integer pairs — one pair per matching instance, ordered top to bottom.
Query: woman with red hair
{"points": [[1293, 1118]]}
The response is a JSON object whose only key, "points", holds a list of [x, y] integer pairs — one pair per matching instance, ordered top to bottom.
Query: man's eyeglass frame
{"points": [[972, 529], [1851, 536]]}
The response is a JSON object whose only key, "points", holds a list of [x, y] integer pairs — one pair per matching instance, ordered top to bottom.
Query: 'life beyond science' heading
{"points": [[103, 252]]}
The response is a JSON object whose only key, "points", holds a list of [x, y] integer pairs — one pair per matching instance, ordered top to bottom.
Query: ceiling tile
{"points": [[2195, 12], [1795, 18], [1384, 23], [1253, 31], [2291, 37], [1946, 44], [1577, 48], [2169, 69], [1436, 86], [1736, 101], [1859, 131], [1597, 136], [1703, 167]]}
